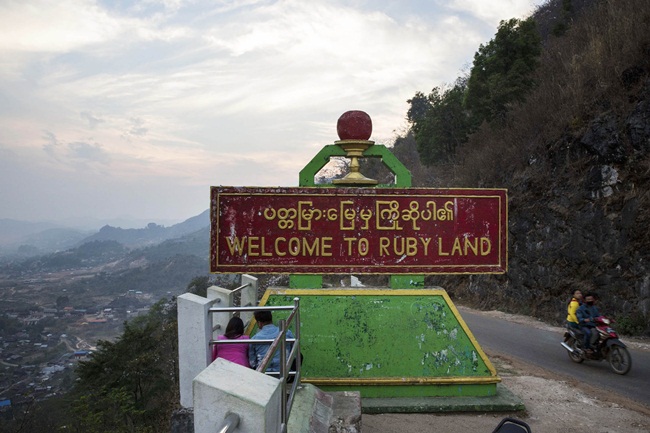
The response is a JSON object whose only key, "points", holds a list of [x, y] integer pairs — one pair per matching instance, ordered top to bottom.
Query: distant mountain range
{"points": [[151, 234], [21, 238]]}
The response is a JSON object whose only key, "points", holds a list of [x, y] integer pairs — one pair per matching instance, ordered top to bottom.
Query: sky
{"points": [[133, 109]]}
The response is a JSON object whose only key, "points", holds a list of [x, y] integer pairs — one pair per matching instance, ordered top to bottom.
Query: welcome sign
{"points": [[358, 230]]}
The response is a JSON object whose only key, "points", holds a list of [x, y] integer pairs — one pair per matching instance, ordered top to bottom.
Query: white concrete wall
{"points": [[248, 296], [221, 298], [194, 333], [225, 387]]}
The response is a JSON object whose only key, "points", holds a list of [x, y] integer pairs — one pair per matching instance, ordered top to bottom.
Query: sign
{"points": [[358, 230]]}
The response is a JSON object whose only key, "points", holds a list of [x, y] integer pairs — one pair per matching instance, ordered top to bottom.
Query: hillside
{"points": [[575, 157], [151, 234], [22, 239]]}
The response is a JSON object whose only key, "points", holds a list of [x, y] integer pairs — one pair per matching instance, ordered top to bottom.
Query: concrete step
{"points": [[316, 411]]}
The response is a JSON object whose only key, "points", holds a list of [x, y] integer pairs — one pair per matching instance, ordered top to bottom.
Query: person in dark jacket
{"points": [[587, 314]]}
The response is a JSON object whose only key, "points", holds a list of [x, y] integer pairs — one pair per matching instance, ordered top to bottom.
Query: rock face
{"points": [[580, 220]]}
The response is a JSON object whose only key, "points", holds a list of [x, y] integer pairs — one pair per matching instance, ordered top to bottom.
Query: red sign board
{"points": [[358, 230]]}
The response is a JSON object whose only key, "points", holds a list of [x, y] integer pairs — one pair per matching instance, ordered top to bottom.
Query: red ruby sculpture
{"points": [[354, 125]]}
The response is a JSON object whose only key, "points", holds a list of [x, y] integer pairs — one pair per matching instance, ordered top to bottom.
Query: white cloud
{"points": [[493, 11], [54, 26], [228, 92]]}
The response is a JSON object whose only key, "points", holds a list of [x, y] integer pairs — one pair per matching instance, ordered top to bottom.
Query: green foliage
{"points": [[562, 25], [501, 72], [501, 75], [418, 109], [444, 125], [88, 254], [160, 277], [199, 286], [62, 301], [631, 324], [9, 326], [127, 385]]}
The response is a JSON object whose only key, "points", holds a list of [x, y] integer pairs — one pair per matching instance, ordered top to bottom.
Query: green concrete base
{"points": [[418, 391], [503, 401]]}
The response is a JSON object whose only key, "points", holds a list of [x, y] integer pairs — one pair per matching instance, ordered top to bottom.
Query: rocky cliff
{"points": [[575, 158]]}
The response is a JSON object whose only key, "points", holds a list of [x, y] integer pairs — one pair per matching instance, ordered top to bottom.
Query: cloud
{"points": [[494, 11], [59, 26], [178, 95], [91, 118], [137, 128], [87, 152], [74, 153]]}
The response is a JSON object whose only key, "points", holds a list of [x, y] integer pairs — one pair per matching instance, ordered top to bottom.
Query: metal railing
{"points": [[285, 361], [230, 423]]}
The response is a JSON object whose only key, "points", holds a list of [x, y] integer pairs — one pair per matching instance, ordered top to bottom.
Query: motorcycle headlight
{"points": [[605, 320]]}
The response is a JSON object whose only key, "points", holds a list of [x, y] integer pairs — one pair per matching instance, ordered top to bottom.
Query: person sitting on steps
{"points": [[268, 331], [237, 353]]}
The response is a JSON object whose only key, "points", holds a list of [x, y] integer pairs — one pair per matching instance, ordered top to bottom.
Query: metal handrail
{"points": [[240, 288], [285, 362], [230, 423]]}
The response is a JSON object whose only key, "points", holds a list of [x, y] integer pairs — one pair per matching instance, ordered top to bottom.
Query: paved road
{"points": [[542, 348]]}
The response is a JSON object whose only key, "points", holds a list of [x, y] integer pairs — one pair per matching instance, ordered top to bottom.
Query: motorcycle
{"points": [[608, 346]]}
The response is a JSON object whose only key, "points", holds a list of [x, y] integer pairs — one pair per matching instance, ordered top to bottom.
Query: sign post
{"points": [[358, 230], [402, 342]]}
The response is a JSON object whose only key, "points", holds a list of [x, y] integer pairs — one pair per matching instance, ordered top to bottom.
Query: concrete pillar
{"points": [[248, 296], [220, 298], [194, 333], [225, 387]]}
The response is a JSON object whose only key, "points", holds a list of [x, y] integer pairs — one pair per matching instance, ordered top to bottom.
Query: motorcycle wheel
{"points": [[575, 356], [619, 360]]}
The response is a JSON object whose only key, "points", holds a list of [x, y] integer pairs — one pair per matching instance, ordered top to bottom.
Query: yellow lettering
{"points": [[347, 215], [349, 241], [425, 242], [236, 245], [253, 246], [294, 246], [383, 246], [411, 246], [486, 246], [326, 247], [363, 247], [473, 247], [456, 248], [311, 249], [398, 251], [264, 252], [278, 252], [440, 252]]}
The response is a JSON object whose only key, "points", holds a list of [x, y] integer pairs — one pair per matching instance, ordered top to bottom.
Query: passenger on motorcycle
{"points": [[572, 308], [587, 314]]}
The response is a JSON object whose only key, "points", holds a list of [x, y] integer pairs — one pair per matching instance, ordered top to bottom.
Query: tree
{"points": [[501, 72], [419, 107], [443, 126], [199, 286], [62, 301], [129, 384]]}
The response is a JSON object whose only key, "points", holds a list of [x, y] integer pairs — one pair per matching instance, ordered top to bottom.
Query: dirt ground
{"points": [[552, 405]]}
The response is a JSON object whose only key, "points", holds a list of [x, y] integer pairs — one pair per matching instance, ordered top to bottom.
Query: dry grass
{"points": [[600, 65], [580, 75]]}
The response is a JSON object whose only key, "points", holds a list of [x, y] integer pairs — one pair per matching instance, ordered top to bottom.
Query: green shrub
{"points": [[631, 324]]}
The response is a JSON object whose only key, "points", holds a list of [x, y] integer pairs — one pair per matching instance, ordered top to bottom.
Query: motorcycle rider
{"points": [[572, 308], [587, 314]]}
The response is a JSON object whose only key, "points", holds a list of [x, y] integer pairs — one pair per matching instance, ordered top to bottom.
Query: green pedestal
{"points": [[387, 343]]}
